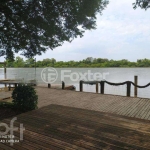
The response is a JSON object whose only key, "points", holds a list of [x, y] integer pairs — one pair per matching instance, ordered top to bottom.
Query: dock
{"points": [[120, 105], [70, 120]]}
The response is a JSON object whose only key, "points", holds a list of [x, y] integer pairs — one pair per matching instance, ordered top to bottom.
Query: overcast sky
{"points": [[122, 33]]}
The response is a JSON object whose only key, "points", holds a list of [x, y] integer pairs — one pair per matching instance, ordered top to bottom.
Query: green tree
{"points": [[144, 4], [34, 26], [89, 60], [53, 61], [19, 62], [30, 62], [46, 62], [143, 63], [39, 64]]}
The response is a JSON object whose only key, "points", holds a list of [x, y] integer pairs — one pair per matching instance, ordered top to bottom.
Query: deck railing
{"points": [[103, 82]]}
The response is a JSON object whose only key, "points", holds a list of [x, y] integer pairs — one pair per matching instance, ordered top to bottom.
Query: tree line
{"points": [[88, 62]]}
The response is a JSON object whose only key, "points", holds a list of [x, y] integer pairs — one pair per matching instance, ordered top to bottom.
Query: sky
{"points": [[122, 33]]}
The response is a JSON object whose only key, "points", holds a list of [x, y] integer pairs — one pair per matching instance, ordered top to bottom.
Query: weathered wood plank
{"points": [[121, 105], [136, 109], [126, 110], [143, 110], [60, 127]]}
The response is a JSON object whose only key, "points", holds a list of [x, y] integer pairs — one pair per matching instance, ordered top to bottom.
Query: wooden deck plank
{"points": [[105, 103], [111, 105], [120, 105], [123, 106], [136, 108], [126, 110], [143, 110], [146, 111], [147, 116], [78, 120], [61, 127], [38, 141], [5, 147]]}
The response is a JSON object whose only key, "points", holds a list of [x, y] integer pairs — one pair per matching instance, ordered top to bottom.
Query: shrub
{"points": [[24, 98], [6, 105]]}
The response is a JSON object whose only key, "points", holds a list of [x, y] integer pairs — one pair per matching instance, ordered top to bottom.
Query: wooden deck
{"points": [[5, 95], [121, 105], [126, 106], [71, 120], [56, 127]]}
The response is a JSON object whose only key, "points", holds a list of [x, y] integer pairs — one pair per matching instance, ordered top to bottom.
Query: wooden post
{"points": [[35, 67], [5, 77], [15, 85], [49, 85], [63, 85], [81, 86], [96, 87], [102, 87], [9, 88], [128, 88], [135, 88]]}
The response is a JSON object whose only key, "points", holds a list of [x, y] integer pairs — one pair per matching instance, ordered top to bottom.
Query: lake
{"points": [[73, 75]]}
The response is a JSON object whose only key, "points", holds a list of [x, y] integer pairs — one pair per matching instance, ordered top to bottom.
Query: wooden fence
{"points": [[102, 86]]}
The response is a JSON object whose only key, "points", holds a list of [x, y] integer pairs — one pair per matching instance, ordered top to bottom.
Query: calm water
{"points": [[113, 75]]}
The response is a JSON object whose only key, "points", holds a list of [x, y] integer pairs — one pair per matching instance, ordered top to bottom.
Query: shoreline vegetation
{"points": [[85, 63]]}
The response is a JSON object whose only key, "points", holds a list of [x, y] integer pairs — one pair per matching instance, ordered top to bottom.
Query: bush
{"points": [[24, 98], [6, 105]]}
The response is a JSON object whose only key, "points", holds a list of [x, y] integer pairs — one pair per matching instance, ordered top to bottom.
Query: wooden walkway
{"points": [[5, 95], [126, 106], [68, 120], [56, 127]]}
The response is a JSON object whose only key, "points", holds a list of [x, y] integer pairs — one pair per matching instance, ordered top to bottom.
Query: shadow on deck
{"points": [[56, 127]]}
